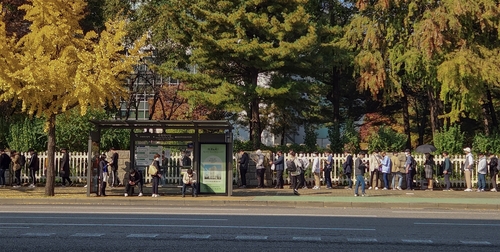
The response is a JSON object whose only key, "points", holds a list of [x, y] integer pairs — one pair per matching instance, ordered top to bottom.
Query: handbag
{"points": [[273, 167]]}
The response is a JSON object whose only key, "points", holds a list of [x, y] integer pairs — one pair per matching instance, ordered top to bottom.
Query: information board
{"points": [[213, 168]]}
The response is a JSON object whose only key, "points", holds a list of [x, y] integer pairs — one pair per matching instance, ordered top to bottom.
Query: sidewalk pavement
{"points": [[337, 197]]}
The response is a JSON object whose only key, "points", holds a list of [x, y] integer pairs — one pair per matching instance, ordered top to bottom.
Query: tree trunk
{"points": [[491, 108], [435, 109], [406, 120], [255, 121], [255, 125], [51, 148]]}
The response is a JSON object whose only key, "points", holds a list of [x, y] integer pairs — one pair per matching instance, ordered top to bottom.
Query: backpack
{"points": [[22, 160], [413, 164], [290, 166], [440, 169], [152, 170]]}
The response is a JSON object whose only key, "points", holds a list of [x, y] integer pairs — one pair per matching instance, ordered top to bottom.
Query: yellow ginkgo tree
{"points": [[56, 67]]}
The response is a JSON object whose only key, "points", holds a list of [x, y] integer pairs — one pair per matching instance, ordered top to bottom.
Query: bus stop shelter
{"points": [[211, 143]]}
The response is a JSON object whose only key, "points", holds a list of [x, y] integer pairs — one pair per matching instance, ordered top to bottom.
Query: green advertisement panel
{"points": [[213, 168]]}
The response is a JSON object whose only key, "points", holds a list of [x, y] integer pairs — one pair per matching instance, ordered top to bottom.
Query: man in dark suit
{"points": [[244, 159], [279, 165], [33, 166], [64, 168], [114, 168]]}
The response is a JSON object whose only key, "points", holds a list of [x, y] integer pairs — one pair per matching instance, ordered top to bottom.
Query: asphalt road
{"points": [[136, 228]]}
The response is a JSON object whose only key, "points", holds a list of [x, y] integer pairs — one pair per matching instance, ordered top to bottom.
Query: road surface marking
{"points": [[438, 212], [116, 218], [457, 224], [186, 226], [12, 227], [39, 234], [88, 234], [142, 235], [195, 236], [251, 237], [307, 238], [362, 239], [417, 241], [475, 242]]}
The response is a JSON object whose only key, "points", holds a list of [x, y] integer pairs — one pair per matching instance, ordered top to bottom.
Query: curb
{"points": [[245, 203]]}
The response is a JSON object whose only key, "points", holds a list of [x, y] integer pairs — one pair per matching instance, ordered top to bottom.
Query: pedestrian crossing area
{"points": [[256, 238]]}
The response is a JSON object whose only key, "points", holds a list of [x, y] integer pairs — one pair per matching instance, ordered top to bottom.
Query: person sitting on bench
{"points": [[134, 178], [189, 178]]}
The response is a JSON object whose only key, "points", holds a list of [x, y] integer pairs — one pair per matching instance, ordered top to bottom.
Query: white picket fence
{"points": [[172, 170], [457, 179]]}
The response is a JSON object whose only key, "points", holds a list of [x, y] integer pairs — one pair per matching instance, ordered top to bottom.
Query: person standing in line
{"points": [[244, 159], [5, 161], [305, 162], [375, 162], [279, 164], [348, 164], [33, 166], [16, 167], [410, 167], [467, 168], [260, 169], [328, 169], [386, 169], [64, 170], [316, 170], [482, 170], [396, 171], [429, 171], [447, 171], [493, 171], [359, 172], [103, 173], [295, 175], [156, 177], [134, 179], [115, 181]]}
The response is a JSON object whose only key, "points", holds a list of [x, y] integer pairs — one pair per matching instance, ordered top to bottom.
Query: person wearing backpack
{"points": [[5, 161], [33, 166], [347, 166], [411, 166], [16, 167], [279, 167], [295, 167], [468, 167], [64, 170], [447, 170], [493, 171], [103, 174], [156, 177]]}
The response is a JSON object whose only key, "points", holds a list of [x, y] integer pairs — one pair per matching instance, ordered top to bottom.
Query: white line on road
{"points": [[444, 212], [114, 218], [457, 224], [187, 226], [12, 227], [39, 234], [88, 234], [142, 235], [194, 236], [251, 237], [306, 238], [362, 240], [417, 241], [476, 242]]}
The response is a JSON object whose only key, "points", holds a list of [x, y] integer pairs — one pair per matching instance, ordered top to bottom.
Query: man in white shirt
{"points": [[468, 167]]}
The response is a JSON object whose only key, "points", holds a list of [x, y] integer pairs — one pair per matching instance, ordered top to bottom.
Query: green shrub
{"points": [[386, 139], [450, 139], [484, 143]]}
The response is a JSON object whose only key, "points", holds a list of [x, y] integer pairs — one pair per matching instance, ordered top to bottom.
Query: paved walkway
{"points": [[263, 197]]}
